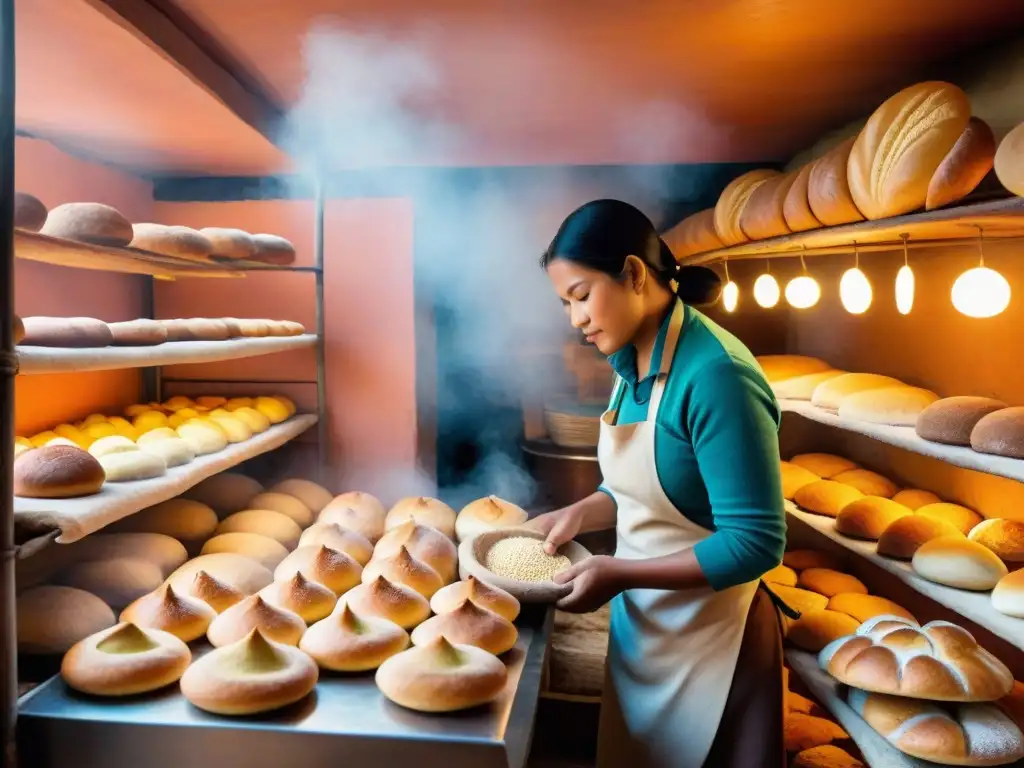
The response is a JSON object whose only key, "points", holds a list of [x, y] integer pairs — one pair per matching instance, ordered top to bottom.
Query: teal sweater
{"points": [[716, 446]]}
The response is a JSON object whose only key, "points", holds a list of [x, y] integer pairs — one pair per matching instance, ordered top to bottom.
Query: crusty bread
{"points": [[901, 146], [1009, 161], [964, 166], [828, 191], [733, 200], [796, 208], [29, 212], [763, 215], [88, 223], [694, 234], [179, 242], [229, 243], [272, 249], [66, 332], [137, 333], [782, 367], [802, 387], [831, 394], [894, 406], [952, 419], [1000, 433], [824, 465], [57, 472], [794, 478], [867, 482], [826, 497], [915, 498], [867, 518], [962, 518], [903, 536], [1004, 537], [802, 559], [958, 562], [403, 568], [334, 569], [241, 573], [780, 574], [830, 583], [1008, 595], [308, 599], [801, 600], [395, 602], [863, 607], [185, 617], [51, 619], [469, 624], [816, 629], [345, 642], [125, 660], [939, 661], [802, 732], [969, 734]]}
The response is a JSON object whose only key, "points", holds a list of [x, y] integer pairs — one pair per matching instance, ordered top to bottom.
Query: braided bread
{"points": [[939, 661]]}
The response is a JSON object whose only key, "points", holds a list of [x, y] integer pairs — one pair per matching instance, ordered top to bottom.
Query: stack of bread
{"points": [[920, 150], [87, 332], [945, 543], [287, 580], [812, 736]]}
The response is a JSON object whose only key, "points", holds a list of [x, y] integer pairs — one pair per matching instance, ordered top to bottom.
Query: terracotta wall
{"points": [[41, 289]]}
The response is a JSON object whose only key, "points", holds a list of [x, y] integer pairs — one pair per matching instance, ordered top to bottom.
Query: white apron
{"points": [[671, 654]]}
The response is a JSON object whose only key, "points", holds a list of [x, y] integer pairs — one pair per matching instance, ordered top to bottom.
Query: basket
{"points": [[572, 424], [473, 554]]}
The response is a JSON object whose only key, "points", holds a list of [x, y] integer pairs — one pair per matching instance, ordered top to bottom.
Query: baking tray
{"points": [[346, 721]]}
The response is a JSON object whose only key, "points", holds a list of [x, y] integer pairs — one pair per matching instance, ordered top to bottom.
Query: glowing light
{"points": [[905, 290], [766, 291], [855, 291], [803, 292], [981, 292], [730, 296]]}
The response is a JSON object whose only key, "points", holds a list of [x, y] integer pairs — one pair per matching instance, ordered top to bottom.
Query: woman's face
{"points": [[607, 310]]}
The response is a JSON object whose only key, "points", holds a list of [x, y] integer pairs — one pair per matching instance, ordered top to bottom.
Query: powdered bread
{"points": [[1009, 161], [964, 166], [828, 191], [733, 200], [796, 208], [29, 212], [763, 215], [88, 223], [179, 242], [229, 243], [271, 249], [137, 333], [783, 367], [802, 387], [831, 394], [894, 406], [952, 419], [1000, 433], [824, 465], [794, 478], [826, 497], [914, 498], [960, 517], [867, 518], [904, 536], [1004, 537], [425, 544], [264, 550], [958, 562], [403, 568], [335, 570], [245, 575], [830, 583], [216, 594], [484, 595], [1008, 595], [310, 600], [404, 606], [864, 607], [185, 617], [50, 619], [274, 623], [816, 629], [345, 642], [125, 660], [939, 661]]}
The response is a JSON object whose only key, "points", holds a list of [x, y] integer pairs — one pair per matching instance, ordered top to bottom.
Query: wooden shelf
{"points": [[998, 219], [53, 360], [907, 439], [77, 518], [976, 606]]}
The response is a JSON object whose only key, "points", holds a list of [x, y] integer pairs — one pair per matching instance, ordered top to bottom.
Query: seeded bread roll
{"points": [[1009, 161], [964, 167], [828, 190], [733, 200], [796, 207], [29, 212], [763, 216], [88, 223], [694, 234], [229, 243], [271, 249], [79, 332], [137, 333], [831, 394], [893, 406], [952, 419], [1000, 433], [824, 465], [794, 478], [867, 482], [826, 497], [869, 517], [962, 518], [903, 537], [1004, 537], [958, 562]]}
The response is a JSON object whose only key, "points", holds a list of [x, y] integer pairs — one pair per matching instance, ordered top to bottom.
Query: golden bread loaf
{"points": [[901, 146], [1009, 161], [964, 166], [828, 190], [732, 202], [796, 208], [29, 212], [763, 216], [92, 223], [694, 234], [179, 242], [228, 243], [272, 249], [77, 332], [137, 333], [783, 367], [802, 387], [831, 394], [894, 406], [952, 419], [1000, 433], [824, 465], [57, 472], [794, 478], [867, 482], [225, 492], [314, 496], [826, 497], [915, 498], [286, 505], [356, 511], [433, 513], [487, 514], [867, 518], [962, 518], [190, 522], [265, 522], [332, 535], [903, 536], [1004, 537], [264, 550], [802, 559], [958, 562], [329, 567], [241, 573], [780, 574], [830, 583], [1008, 594], [306, 598], [493, 599], [801, 600], [395, 602], [863, 607], [185, 617], [50, 619], [274, 622], [816, 629], [345, 642], [125, 660], [802, 732], [825, 756]]}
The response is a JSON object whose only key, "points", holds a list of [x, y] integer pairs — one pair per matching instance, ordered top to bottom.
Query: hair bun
{"points": [[698, 285]]}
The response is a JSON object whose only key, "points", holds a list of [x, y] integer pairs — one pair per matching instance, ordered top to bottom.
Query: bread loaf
{"points": [[903, 143], [1009, 161], [964, 167], [828, 190], [733, 200], [796, 207], [29, 212], [763, 216], [88, 223], [694, 234], [179, 242], [229, 243], [271, 249], [205, 329], [178, 330], [66, 332], [137, 333], [783, 367], [802, 387], [831, 394], [894, 406], [952, 419], [1000, 433], [824, 465], [131, 466], [57, 472], [794, 478], [867, 482], [226, 492], [314, 496], [826, 497], [914, 498], [286, 505], [869, 517], [962, 518], [190, 522], [265, 522], [903, 537], [1004, 537], [264, 550], [802, 559], [958, 562], [780, 574], [830, 583], [1008, 595], [801, 600], [864, 607], [50, 619], [816, 629], [125, 660], [939, 661], [968, 734], [825, 756]]}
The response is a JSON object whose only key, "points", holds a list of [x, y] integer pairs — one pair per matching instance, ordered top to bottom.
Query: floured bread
{"points": [[88, 223], [180, 242], [782, 367], [802, 387], [832, 393], [894, 406], [952, 419], [1000, 433], [959, 562]]}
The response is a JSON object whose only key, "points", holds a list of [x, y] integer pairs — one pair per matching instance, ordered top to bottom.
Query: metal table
{"points": [[346, 721]]}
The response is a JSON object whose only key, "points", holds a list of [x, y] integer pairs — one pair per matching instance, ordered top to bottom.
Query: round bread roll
{"points": [[1008, 164], [964, 166], [828, 191], [732, 202], [796, 207], [29, 212], [763, 217], [92, 223], [176, 241], [229, 243], [271, 249], [137, 333], [784, 367], [802, 387], [831, 394], [210, 401], [894, 406], [273, 409], [253, 419], [952, 419], [148, 421], [236, 430], [1000, 433], [203, 439], [112, 444], [20, 449], [173, 451], [824, 465], [132, 466], [57, 472], [794, 478], [867, 482], [226, 492], [314, 496], [826, 497], [913, 498], [286, 505], [366, 506], [425, 511], [487, 514], [961, 517], [356, 518], [867, 518], [190, 522], [265, 522], [332, 535], [903, 537], [1004, 537], [426, 544], [264, 550], [163, 551], [802, 559], [957, 562], [329, 567], [403, 568], [238, 572], [780, 574], [116, 582], [830, 583], [216, 594], [1008, 595], [302, 596], [493, 599], [801, 600], [404, 606], [863, 607], [185, 617], [51, 619], [274, 622], [469, 624], [816, 629], [344, 642], [125, 660], [252, 675], [441, 677], [802, 732], [825, 756]]}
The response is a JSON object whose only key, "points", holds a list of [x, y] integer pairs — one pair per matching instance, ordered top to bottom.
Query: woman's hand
{"points": [[557, 527], [594, 582]]}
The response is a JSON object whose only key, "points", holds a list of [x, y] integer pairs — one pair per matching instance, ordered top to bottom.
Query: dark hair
{"points": [[601, 234]]}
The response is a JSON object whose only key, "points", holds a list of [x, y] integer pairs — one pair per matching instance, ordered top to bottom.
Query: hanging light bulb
{"points": [[905, 283], [854, 288], [766, 289], [731, 292], [803, 292], [981, 292]]}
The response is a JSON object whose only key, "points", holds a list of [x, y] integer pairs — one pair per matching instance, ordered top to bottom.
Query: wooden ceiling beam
{"points": [[178, 38]]}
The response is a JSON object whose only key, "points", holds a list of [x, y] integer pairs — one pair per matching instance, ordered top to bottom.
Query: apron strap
{"points": [[675, 327], [780, 604]]}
